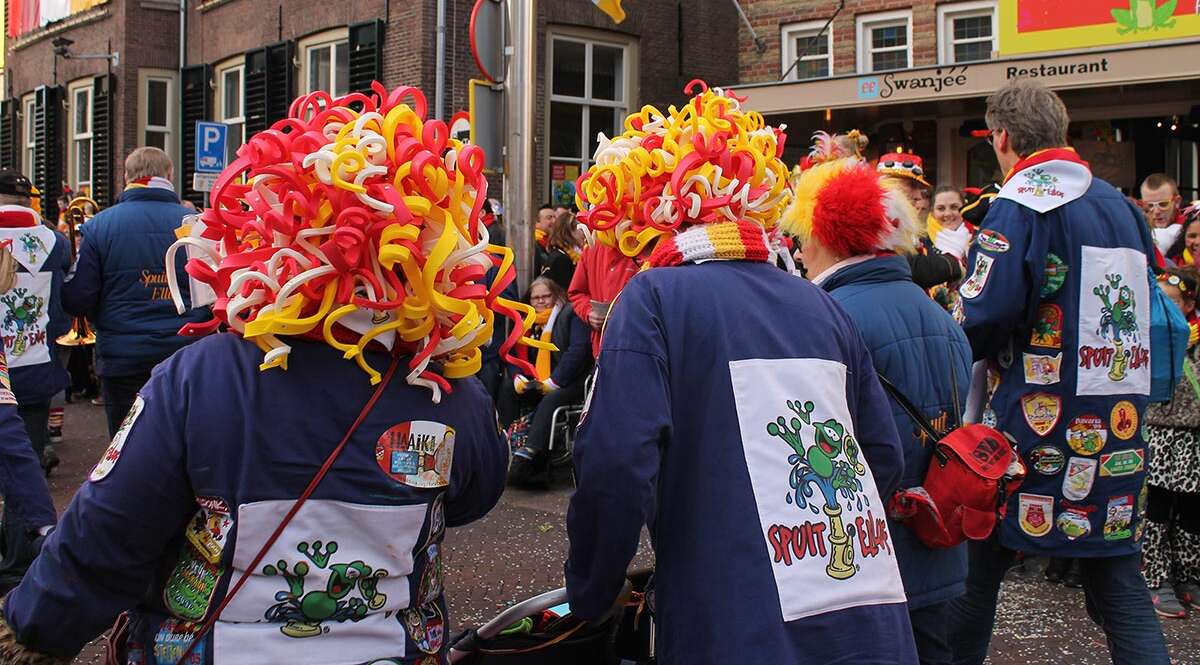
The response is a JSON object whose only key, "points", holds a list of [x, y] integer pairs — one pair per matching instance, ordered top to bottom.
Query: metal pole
{"points": [[519, 90], [439, 104]]}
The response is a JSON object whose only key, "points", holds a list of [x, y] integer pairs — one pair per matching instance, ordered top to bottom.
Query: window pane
{"points": [[971, 27], [892, 35], [811, 45], [972, 51], [888, 60], [319, 68], [568, 68], [812, 69], [608, 72], [341, 84], [232, 92], [156, 104], [83, 112], [601, 119], [566, 129], [156, 139], [235, 141], [83, 160]]}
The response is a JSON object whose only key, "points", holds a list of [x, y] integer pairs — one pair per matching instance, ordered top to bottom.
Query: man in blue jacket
{"points": [[120, 283], [1058, 302], [914, 344], [737, 415]]}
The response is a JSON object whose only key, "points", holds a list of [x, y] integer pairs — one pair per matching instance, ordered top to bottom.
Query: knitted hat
{"points": [[903, 165], [848, 207]]}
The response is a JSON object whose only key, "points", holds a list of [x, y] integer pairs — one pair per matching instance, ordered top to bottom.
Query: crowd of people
{"points": [[768, 367]]}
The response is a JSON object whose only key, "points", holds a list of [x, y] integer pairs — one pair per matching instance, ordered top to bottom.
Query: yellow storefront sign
{"points": [[1033, 26]]}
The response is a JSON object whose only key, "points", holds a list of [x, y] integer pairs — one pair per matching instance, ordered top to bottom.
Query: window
{"points": [[966, 31], [885, 41], [806, 42], [327, 67], [588, 95], [158, 101], [231, 106], [29, 135], [79, 170]]}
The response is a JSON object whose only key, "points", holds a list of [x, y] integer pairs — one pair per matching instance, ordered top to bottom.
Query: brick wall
{"points": [[768, 16], [217, 31]]}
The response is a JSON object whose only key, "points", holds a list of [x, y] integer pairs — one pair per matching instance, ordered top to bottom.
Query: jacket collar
{"points": [[1043, 156], [148, 194], [18, 217], [874, 270]]}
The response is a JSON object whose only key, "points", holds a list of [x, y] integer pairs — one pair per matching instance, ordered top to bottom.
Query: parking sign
{"points": [[210, 146]]}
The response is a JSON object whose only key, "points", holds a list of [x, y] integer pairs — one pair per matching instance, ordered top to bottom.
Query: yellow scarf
{"points": [[932, 227], [540, 237], [1188, 259], [541, 362]]}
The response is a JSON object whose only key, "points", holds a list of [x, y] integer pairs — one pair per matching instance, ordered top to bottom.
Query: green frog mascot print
{"points": [[822, 519]]}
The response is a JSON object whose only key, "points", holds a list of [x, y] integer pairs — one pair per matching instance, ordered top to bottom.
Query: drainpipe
{"points": [[182, 34], [439, 105]]}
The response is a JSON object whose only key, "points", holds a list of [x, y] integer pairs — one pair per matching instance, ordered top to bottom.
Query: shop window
{"points": [[966, 31], [885, 41], [805, 45], [327, 67], [157, 92], [588, 95], [231, 108], [28, 135], [80, 165]]}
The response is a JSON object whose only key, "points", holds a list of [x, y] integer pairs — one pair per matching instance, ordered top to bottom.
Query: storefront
{"points": [[1136, 106]]}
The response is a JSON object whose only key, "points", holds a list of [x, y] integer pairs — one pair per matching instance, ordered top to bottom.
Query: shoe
{"points": [[98, 401], [54, 427], [49, 460], [527, 470], [1055, 569], [1073, 578], [1188, 593], [1166, 605]]}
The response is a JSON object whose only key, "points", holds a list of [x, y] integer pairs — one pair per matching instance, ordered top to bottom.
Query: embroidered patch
{"points": [[1045, 186], [992, 241], [1054, 276], [979, 277], [24, 317], [1114, 323], [1047, 331], [1042, 370], [6, 393], [1042, 411], [1124, 420], [1086, 435], [113, 453], [417, 453], [1046, 460], [1123, 463], [1081, 475], [1035, 513], [1119, 517], [437, 520], [1074, 523], [209, 526], [431, 578], [189, 590], [425, 627], [173, 639]]}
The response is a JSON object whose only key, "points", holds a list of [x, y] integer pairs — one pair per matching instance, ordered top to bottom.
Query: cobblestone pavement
{"points": [[517, 551]]}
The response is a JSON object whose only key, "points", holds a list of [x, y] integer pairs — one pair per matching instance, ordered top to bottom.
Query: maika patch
{"points": [[992, 241], [1055, 275], [979, 277], [1114, 323], [1048, 330], [1042, 370], [1042, 411], [1124, 420], [1086, 435], [113, 453], [417, 453], [1046, 460], [1123, 463], [1081, 475], [1036, 514], [1119, 517], [1074, 523], [209, 526], [425, 627]]}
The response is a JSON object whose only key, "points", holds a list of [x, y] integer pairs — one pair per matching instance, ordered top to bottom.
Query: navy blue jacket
{"points": [[120, 284], [1057, 298], [916, 345], [573, 360], [736, 413], [213, 454], [21, 479]]}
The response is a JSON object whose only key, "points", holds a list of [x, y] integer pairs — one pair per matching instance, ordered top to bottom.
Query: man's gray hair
{"points": [[1034, 117], [147, 162]]}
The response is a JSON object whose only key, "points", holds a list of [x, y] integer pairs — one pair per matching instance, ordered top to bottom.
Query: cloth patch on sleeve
{"points": [[979, 277], [109, 460]]}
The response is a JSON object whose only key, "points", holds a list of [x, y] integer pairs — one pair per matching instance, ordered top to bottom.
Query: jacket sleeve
{"points": [[929, 270], [81, 291], [580, 291], [1001, 293], [576, 359], [876, 428], [617, 455], [480, 465], [22, 481], [109, 545]]}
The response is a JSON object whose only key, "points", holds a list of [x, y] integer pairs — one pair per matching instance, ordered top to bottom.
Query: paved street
{"points": [[517, 550]]}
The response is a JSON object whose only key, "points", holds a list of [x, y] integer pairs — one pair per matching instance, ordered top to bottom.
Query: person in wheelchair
{"points": [[558, 380]]}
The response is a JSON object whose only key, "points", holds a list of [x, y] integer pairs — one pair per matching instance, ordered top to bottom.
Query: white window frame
{"points": [[866, 22], [945, 27], [788, 34], [328, 39], [238, 64], [171, 78], [86, 86], [620, 107], [28, 135]]}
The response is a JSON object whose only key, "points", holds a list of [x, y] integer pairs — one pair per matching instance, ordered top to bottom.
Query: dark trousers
{"points": [[119, 393], [510, 405], [18, 551], [1116, 598], [931, 632]]}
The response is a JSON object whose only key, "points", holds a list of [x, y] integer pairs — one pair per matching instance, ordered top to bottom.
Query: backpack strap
{"points": [[910, 408]]}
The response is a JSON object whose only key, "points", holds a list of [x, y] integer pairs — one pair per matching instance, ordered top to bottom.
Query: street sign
{"points": [[211, 139], [203, 182]]}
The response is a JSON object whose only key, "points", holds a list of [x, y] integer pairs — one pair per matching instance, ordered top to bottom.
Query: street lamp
{"points": [[62, 49]]}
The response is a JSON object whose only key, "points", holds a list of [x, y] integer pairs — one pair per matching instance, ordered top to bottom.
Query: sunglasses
{"points": [[991, 137], [908, 166], [1161, 205], [1175, 281]]}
